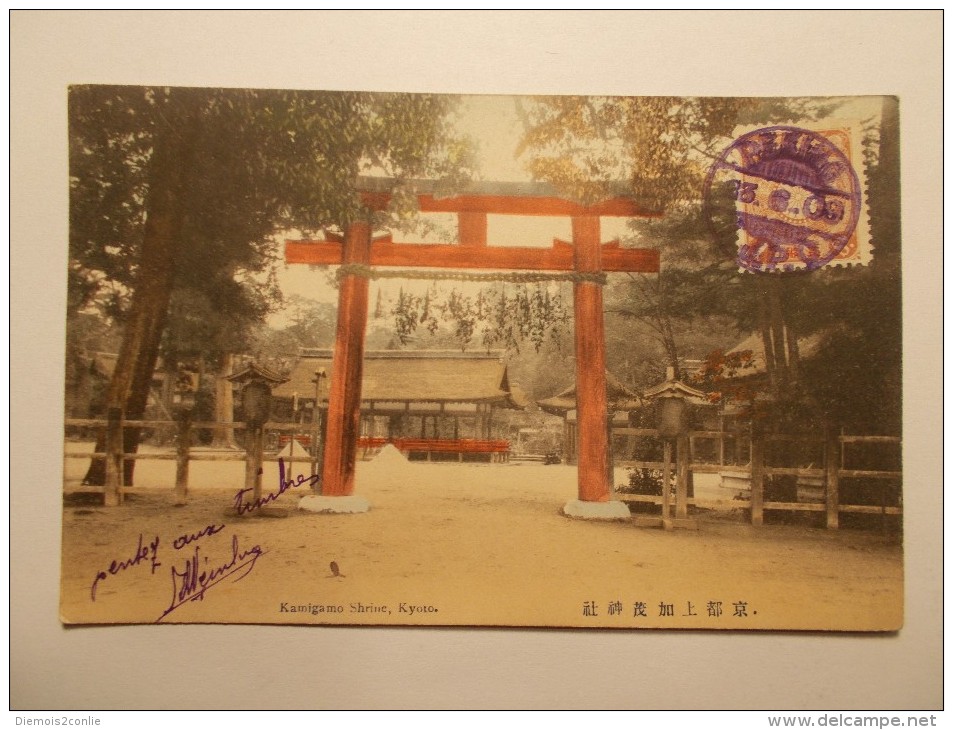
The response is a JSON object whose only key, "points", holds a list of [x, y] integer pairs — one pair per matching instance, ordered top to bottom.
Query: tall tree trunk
{"points": [[173, 149], [776, 319], [664, 328], [767, 340], [671, 347], [794, 352]]}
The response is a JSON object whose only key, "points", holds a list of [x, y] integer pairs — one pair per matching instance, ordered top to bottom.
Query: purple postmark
{"points": [[793, 194]]}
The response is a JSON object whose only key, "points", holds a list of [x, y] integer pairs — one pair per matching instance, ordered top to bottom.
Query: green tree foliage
{"points": [[587, 145], [658, 147], [658, 150], [260, 161], [181, 190], [310, 324], [855, 374]]}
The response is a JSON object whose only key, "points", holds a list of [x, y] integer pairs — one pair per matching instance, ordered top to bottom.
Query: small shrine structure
{"points": [[620, 400]]}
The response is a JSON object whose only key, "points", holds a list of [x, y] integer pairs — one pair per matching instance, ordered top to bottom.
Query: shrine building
{"points": [[432, 405]]}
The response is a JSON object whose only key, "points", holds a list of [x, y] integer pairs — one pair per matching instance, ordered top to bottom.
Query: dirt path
{"points": [[459, 545]]}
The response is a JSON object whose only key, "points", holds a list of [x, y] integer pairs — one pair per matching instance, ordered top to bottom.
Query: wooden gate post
{"points": [[344, 398], [254, 455], [182, 459], [681, 477], [757, 479], [666, 480], [832, 482], [112, 496]]}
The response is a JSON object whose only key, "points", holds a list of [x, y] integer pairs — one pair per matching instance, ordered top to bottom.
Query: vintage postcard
{"points": [[361, 358]]}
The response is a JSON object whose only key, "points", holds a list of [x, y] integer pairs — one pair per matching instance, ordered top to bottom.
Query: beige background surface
{"points": [[636, 53]]}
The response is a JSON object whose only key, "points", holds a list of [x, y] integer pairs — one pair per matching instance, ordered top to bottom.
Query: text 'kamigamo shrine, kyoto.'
{"points": [[584, 261]]}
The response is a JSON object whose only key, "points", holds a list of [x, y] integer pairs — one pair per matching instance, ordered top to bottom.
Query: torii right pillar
{"points": [[595, 491]]}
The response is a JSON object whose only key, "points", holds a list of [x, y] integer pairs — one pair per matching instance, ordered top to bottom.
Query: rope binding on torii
{"points": [[520, 277]]}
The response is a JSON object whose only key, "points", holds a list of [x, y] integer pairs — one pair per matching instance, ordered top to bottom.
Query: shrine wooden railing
{"points": [[176, 427], [282, 433], [422, 445], [497, 449], [826, 478], [823, 484]]}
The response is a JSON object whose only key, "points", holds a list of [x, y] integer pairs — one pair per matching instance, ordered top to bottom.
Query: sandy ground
{"points": [[449, 544]]}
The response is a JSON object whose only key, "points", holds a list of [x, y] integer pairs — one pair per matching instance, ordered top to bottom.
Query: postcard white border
{"points": [[618, 52]]}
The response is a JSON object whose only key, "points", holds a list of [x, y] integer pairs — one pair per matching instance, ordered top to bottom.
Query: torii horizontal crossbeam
{"points": [[559, 257]]}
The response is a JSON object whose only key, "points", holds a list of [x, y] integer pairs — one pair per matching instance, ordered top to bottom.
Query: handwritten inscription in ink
{"points": [[284, 484], [183, 540], [145, 554], [198, 566], [198, 573], [193, 577]]}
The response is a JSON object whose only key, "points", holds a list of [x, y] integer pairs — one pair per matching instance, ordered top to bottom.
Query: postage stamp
{"points": [[797, 195]]}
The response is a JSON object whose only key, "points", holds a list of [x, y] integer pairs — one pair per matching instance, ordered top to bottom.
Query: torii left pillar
{"points": [[344, 400]]}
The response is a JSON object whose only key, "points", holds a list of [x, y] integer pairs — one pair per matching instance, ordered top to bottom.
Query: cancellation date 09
{"points": [[791, 202]]}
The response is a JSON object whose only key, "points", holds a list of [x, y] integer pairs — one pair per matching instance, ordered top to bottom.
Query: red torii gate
{"points": [[586, 256]]}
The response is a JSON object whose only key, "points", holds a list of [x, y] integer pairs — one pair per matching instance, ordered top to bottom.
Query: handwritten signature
{"points": [[284, 484], [190, 583]]}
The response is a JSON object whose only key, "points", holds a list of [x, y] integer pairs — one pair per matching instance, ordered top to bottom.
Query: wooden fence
{"points": [[184, 429], [496, 450], [833, 471], [830, 475]]}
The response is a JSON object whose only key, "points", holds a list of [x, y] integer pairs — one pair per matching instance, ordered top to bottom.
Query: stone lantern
{"points": [[256, 383], [184, 392], [674, 403]]}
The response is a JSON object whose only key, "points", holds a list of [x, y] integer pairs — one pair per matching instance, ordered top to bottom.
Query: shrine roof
{"points": [[808, 346], [254, 371], [414, 376], [677, 389], [620, 398]]}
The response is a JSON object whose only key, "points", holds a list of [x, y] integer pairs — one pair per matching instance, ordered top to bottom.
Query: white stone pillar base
{"points": [[320, 503], [613, 510]]}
